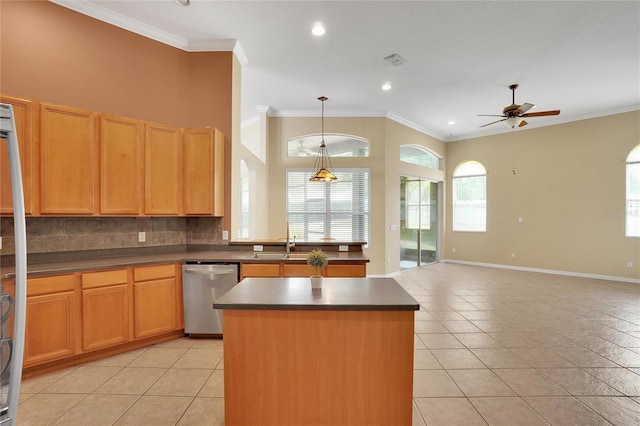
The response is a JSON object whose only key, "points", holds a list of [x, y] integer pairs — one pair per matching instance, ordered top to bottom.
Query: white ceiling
{"points": [[582, 57]]}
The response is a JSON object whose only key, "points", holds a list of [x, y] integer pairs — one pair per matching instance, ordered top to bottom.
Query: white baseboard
{"points": [[545, 271]]}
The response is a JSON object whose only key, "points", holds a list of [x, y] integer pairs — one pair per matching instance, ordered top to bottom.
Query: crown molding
{"points": [[105, 15]]}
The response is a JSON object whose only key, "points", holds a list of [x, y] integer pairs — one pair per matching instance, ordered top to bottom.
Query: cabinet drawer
{"points": [[260, 270], [299, 270], [358, 270], [147, 273], [104, 278], [44, 285]]}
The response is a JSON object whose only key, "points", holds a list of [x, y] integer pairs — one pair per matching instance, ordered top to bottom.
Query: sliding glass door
{"points": [[418, 222]]}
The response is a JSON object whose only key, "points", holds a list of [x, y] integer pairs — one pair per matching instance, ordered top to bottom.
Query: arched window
{"points": [[337, 146], [415, 154], [633, 193], [470, 197], [243, 229]]}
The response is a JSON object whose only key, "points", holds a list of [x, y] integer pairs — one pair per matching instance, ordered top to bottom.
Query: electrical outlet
{"points": [[225, 235], [142, 237], [258, 247], [343, 248], [453, 250], [513, 255], [629, 263]]}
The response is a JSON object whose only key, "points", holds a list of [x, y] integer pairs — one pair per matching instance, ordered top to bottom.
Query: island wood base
{"points": [[318, 367]]}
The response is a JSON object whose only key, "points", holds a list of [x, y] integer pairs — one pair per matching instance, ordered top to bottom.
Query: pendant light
{"points": [[322, 166]]}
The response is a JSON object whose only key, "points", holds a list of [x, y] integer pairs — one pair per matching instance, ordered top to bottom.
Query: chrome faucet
{"points": [[290, 244]]}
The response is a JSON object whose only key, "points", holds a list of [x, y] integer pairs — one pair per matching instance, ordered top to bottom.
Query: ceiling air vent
{"points": [[394, 60]]}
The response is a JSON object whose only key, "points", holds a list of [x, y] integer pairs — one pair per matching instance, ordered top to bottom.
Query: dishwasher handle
{"points": [[200, 270]]}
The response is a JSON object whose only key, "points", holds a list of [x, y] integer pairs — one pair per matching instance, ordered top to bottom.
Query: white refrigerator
{"points": [[12, 345]]}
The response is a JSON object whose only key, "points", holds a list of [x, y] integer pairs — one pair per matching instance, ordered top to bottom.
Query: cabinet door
{"points": [[23, 116], [68, 165], [120, 165], [162, 170], [199, 172], [218, 174], [260, 270], [299, 270], [351, 270], [154, 307], [105, 309], [105, 317], [53, 319], [50, 328]]}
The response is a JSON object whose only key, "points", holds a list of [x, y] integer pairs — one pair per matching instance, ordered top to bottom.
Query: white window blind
{"points": [[338, 210]]}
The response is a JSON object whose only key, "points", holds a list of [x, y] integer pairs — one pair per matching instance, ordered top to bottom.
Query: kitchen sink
{"points": [[273, 256], [279, 256], [297, 256]]}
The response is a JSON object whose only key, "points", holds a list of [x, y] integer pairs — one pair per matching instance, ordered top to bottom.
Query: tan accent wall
{"points": [[50, 53], [567, 182]]}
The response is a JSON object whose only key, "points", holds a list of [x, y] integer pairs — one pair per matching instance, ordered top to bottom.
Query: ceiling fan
{"points": [[514, 114]]}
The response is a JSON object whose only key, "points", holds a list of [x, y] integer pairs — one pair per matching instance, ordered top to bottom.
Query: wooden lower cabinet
{"points": [[301, 269], [259, 270], [346, 270], [154, 300], [105, 309], [83, 316], [53, 319]]}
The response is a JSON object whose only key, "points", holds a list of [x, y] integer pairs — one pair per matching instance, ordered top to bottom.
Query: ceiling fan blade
{"points": [[524, 108], [542, 113], [491, 115], [493, 122], [523, 123]]}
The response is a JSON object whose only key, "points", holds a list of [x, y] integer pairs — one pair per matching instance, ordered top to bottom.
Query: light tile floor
{"points": [[492, 346]]}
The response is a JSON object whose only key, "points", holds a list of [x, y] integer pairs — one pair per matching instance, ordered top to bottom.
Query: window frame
{"points": [[426, 151], [632, 160], [455, 182], [329, 215]]}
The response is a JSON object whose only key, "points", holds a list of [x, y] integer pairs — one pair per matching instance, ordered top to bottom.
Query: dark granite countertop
{"points": [[70, 262], [346, 294]]}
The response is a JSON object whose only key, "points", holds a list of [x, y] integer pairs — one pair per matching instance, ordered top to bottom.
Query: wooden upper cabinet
{"points": [[23, 116], [68, 162], [120, 165], [162, 170], [204, 174], [218, 174]]}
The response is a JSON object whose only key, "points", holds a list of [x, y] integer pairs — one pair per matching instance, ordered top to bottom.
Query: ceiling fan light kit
{"points": [[513, 115], [322, 166]]}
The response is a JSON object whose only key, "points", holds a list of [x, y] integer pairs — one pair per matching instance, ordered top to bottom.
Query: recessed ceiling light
{"points": [[183, 2], [318, 29], [386, 86], [451, 122]]}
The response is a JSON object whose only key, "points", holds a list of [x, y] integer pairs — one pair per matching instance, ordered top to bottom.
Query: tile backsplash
{"points": [[59, 234]]}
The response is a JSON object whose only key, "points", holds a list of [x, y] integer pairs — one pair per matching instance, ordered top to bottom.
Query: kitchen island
{"points": [[297, 356]]}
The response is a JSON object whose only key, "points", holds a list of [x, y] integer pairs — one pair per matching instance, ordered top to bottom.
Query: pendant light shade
{"points": [[322, 167]]}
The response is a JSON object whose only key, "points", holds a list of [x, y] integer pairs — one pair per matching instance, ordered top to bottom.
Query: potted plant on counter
{"points": [[317, 259]]}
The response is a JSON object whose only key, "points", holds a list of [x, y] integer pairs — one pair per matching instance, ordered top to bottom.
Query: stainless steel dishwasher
{"points": [[202, 284]]}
